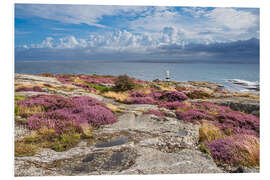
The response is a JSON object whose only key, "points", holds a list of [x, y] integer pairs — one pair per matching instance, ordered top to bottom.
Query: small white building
{"points": [[168, 75]]}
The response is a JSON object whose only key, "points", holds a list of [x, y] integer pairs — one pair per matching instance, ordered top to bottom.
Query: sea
{"points": [[233, 76]]}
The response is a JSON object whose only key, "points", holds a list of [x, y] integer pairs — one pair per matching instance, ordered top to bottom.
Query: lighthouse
{"points": [[168, 75]]}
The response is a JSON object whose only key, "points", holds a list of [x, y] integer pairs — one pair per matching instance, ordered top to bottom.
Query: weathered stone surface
{"points": [[29, 78], [34, 79], [250, 106], [20, 131], [137, 133], [151, 161]]}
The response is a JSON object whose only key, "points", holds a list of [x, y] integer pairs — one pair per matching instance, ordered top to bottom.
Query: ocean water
{"points": [[220, 73]]}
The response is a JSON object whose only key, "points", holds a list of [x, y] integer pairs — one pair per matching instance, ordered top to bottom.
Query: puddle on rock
{"points": [[182, 133], [114, 142]]}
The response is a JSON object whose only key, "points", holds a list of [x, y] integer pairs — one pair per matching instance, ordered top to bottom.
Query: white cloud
{"points": [[195, 11], [74, 14], [232, 18], [153, 26], [47, 43]]}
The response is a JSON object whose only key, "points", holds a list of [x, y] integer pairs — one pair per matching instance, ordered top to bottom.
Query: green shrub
{"points": [[124, 83], [100, 88], [19, 98], [16, 110], [66, 142], [204, 149]]}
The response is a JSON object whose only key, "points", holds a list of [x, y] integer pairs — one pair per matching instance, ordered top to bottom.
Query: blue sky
{"points": [[86, 32]]}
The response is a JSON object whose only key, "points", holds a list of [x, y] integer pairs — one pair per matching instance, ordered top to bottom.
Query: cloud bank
{"points": [[136, 33]]}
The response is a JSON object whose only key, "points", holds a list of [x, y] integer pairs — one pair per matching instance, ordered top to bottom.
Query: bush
{"points": [[124, 83], [137, 94], [171, 96], [173, 105], [59, 113], [192, 116], [239, 122], [236, 150]]}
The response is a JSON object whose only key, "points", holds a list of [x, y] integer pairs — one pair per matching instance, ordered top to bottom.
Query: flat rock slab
{"points": [[29, 78], [250, 106], [166, 134], [114, 142], [151, 161]]}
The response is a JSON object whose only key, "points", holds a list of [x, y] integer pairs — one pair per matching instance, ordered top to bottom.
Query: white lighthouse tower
{"points": [[168, 75]]}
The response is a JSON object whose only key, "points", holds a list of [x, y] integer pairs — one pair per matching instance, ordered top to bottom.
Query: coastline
{"points": [[149, 120]]}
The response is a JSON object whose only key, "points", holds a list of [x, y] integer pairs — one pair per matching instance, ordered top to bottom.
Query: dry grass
{"points": [[52, 87], [144, 90], [247, 95], [118, 96], [188, 106], [114, 108], [28, 111], [209, 132], [23, 149], [249, 150]]}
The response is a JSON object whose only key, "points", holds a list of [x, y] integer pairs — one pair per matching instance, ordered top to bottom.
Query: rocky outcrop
{"points": [[250, 106], [137, 143], [141, 144]]}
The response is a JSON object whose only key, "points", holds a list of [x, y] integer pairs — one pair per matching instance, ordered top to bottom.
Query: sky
{"points": [[88, 32]]}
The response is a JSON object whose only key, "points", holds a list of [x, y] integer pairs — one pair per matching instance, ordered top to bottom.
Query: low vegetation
{"points": [[59, 123]]}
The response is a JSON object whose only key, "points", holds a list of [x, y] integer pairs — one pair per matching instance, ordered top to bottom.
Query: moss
{"points": [[100, 88], [19, 98], [16, 110], [48, 138], [66, 142], [24, 149], [204, 149]]}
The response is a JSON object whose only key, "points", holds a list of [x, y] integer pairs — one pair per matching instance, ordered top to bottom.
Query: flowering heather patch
{"points": [[64, 78], [97, 79], [138, 81], [84, 86], [34, 88], [137, 94], [155, 94], [171, 96], [140, 100], [48, 102], [173, 105], [211, 107], [61, 112], [155, 112], [193, 116], [62, 118], [229, 121], [239, 122], [235, 150]]}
